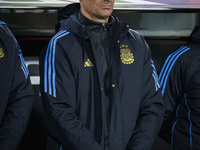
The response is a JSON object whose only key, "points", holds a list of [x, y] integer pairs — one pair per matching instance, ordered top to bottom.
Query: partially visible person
{"points": [[98, 83], [180, 84], [16, 94]]}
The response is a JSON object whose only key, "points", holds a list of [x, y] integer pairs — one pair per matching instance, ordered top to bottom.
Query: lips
{"points": [[106, 6]]}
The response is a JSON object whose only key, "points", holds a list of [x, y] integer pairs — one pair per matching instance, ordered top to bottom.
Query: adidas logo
{"points": [[88, 63]]}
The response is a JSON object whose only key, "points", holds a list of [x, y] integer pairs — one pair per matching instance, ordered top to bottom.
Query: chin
{"points": [[106, 15]]}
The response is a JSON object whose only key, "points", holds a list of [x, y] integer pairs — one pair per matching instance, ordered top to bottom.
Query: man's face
{"points": [[97, 10]]}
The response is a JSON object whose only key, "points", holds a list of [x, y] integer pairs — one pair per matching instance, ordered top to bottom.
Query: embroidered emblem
{"points": [[1, 53], [126, 55], [88, 63]]}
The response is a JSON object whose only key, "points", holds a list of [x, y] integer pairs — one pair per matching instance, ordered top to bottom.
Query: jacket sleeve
{"points": [[172, 78], [58, 89], [19, 105], [151, 109]]}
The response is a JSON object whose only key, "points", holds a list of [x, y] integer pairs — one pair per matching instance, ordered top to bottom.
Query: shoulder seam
{"points": [[168, 65]]}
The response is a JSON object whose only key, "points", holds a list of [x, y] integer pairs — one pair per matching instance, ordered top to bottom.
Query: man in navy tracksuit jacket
{"points": [[99, 84], [180, 84], [16, 94]]}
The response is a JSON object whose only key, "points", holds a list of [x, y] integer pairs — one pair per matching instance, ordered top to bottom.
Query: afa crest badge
{"points": [[1, 53], [126, 55]]}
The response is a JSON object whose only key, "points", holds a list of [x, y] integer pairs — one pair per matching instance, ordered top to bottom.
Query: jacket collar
{"points": [[68, 18]]}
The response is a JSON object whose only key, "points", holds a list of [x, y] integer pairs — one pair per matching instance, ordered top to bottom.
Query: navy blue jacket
{"points": [[180, 84], [16, 94], [74, 97]]}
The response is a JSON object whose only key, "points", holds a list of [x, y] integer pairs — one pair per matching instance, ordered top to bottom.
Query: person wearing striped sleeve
{"points": [[98, 82], [180, 86], [16, 93]]}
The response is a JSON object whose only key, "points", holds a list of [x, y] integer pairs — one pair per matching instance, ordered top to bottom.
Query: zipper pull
{"points": [[104, 26]]}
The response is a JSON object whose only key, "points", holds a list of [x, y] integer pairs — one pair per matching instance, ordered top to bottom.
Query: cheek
{"points": [[92, 7]]}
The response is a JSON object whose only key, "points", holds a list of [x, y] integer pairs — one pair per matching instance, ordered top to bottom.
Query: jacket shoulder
{"points": [[2, 26], [4, 29], [135, 34], [7, 37], [139, 38], [64, 39], [62, 42], [188, 52]]}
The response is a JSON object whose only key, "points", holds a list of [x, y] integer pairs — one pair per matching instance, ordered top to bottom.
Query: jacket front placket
{"points": [[88, 47]]}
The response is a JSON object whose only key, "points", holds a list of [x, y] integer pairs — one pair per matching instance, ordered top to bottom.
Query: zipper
{"points": [[104, 26]]}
